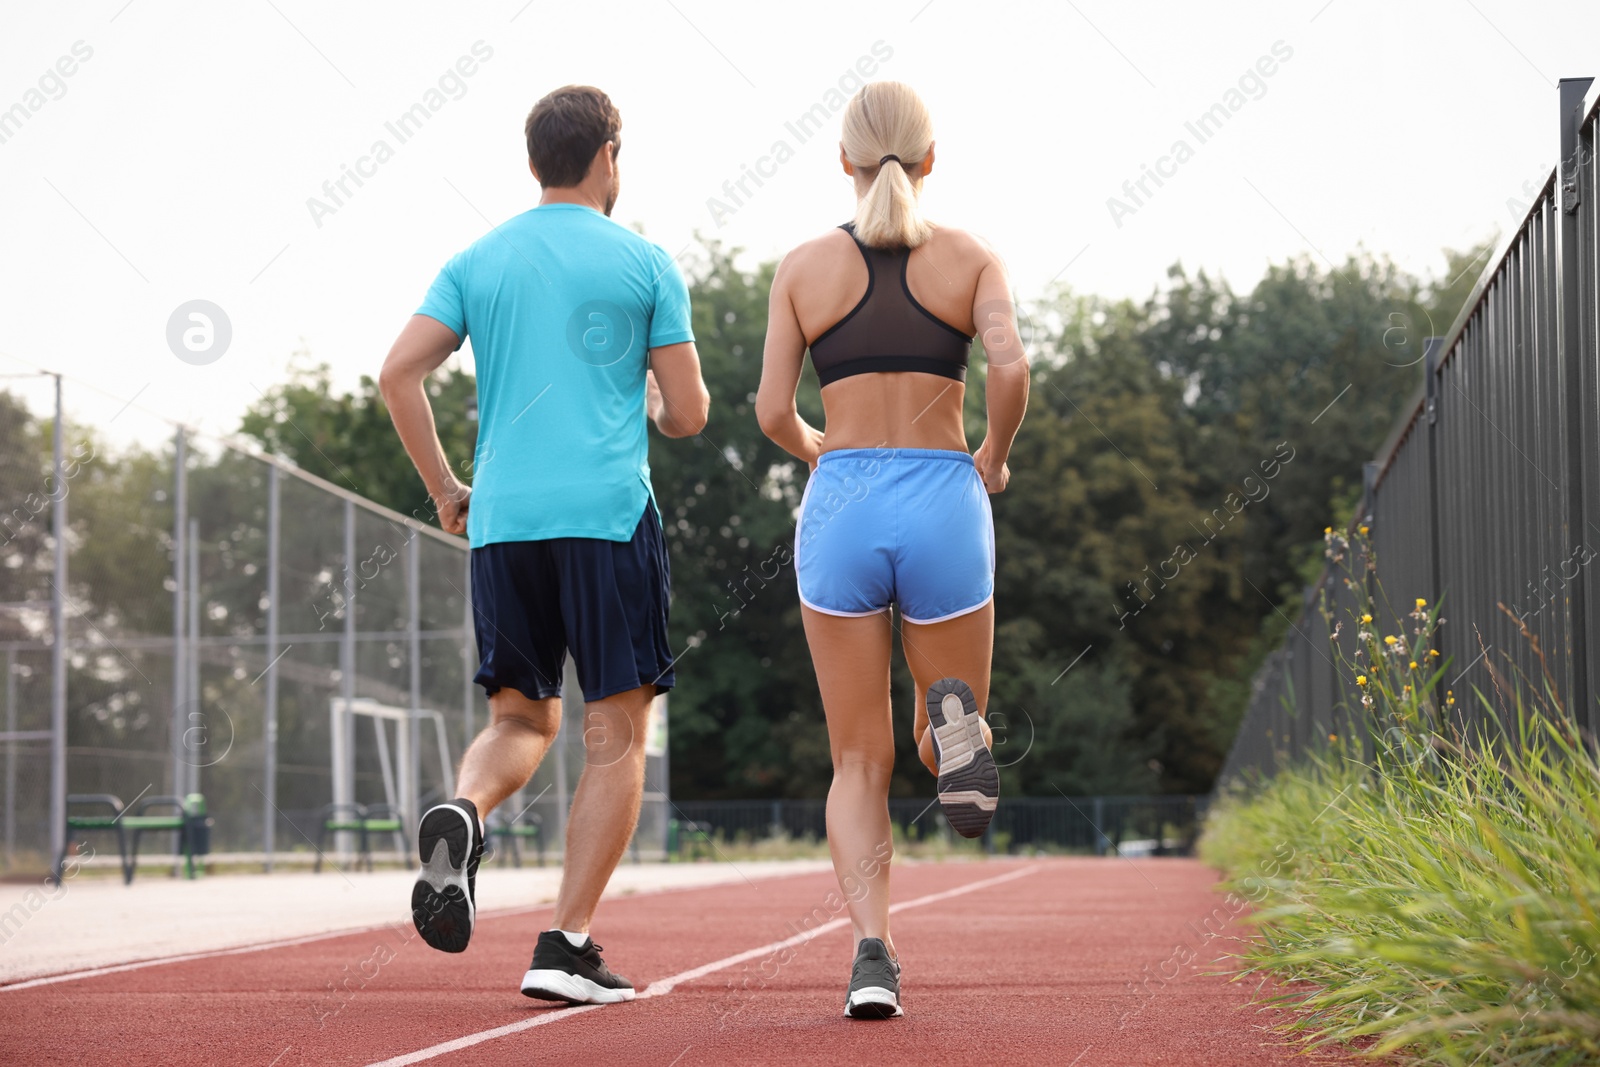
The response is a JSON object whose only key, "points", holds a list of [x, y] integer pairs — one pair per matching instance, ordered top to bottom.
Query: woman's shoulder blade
{"points": [[820, 252]]}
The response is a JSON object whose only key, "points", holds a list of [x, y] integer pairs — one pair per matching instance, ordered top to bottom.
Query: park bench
{"points": [[105, 813], [363, 820], [528, 826], [697, 834]]}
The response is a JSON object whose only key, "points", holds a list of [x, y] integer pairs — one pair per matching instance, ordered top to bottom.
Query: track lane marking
{"points": [[328, 935], [254, 946], [661, 987]]}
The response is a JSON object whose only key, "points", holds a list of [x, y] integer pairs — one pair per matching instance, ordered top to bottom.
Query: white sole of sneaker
{"points": [[969, 781], [438, 874], [571, 988], [873, 1002]]}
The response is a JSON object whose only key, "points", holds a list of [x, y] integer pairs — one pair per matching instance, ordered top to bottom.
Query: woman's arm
{"points": [[781, 364], [1006, 383]]}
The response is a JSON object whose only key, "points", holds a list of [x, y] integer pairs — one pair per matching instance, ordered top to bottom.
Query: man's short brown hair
{"points": [[566, 129]]}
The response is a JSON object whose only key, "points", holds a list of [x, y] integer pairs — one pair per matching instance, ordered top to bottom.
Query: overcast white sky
{"points": [[176, 161]]}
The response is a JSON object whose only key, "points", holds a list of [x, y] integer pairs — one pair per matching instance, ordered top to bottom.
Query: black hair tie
{"points": [[886, 159]]}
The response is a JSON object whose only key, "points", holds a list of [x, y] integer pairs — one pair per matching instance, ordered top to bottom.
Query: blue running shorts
{"points": [[904, 526]]}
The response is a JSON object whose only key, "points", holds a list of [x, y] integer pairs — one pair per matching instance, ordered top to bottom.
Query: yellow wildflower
{"points": [[1366, 618], [1389, 640], [1361, 679]]}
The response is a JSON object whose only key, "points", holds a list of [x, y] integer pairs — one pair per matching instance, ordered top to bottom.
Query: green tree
{"points": [[349, 440], [1179, 461], [1107, 562]]}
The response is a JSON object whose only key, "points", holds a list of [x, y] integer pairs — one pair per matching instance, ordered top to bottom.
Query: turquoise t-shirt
{"points": [[562, 305]]}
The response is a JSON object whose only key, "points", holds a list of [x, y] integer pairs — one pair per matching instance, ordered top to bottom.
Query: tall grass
{"points": [[1441, 901]]}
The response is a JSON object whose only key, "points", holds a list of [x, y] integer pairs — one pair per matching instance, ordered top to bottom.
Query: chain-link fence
{"points": [[226, 615]]}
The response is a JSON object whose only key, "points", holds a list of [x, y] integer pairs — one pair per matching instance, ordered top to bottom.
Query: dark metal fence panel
{"points": [[1583, 170], [1501, 470], [1486, 499], [1403, 539], [1340, 603], [1298, 715], [1321, 721], [1255, 744], [1150, 824]]}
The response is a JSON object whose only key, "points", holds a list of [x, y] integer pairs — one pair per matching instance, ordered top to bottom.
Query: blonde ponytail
{"points": [[886, 136]]}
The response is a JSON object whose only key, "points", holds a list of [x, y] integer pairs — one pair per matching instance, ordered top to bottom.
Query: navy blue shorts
{"points": [[604, 600]]}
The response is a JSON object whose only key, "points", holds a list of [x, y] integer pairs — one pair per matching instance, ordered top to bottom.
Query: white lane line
{"points": [[258, 946], [262, 946], [95, 972], [664, 986]]}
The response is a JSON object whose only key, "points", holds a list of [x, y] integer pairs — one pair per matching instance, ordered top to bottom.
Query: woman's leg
{"points": [[962, 647], [851, 656]]}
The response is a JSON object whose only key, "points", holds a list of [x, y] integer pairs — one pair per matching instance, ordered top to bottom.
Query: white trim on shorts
{"points": [[850, 614], [946, 618]]}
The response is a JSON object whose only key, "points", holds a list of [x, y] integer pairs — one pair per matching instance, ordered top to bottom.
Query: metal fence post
{"points": [[1577, 384], [1430, 386], [1368, 516], [180, 560], [1369, 577], [58, 647], [192, 661], [347, 672], [269, 723], [11, 755], [411, 795]]}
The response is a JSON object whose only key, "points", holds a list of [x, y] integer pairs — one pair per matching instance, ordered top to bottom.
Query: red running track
{"points": [[1085, 962]]}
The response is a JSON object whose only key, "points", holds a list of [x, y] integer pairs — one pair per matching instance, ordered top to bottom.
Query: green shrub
{"points": [[1441, 899]]}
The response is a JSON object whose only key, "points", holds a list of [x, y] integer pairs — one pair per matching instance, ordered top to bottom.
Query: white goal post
{"points": [[402, 786]]}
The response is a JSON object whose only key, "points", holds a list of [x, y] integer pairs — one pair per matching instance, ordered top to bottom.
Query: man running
{"points": [[580, 329]]}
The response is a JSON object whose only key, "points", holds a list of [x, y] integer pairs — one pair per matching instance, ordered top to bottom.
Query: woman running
{"points": [[896, 511]]}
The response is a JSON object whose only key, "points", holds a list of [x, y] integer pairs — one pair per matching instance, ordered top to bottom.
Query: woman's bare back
{"points": [[825, 279]]}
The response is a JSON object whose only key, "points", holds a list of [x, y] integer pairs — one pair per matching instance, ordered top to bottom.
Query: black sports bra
{"points": [[888, 330]]}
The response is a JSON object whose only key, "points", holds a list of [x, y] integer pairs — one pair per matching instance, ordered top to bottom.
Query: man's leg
{"points": [[614, 604], [521, 637], [504, 756], [605, 807], [450, 836]]}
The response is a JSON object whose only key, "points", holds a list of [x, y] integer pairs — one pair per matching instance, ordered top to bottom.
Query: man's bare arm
{"points": [[422, 346], [676, 398]]}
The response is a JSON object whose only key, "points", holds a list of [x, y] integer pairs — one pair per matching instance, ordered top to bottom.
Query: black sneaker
{"points": [[969, 783], [450, 844], [572, 975], [874, 983]]}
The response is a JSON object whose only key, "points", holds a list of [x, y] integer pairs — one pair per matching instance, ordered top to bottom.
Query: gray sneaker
{"points": [[874, 983]]}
